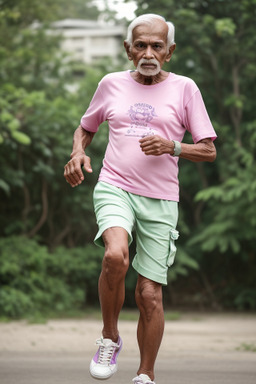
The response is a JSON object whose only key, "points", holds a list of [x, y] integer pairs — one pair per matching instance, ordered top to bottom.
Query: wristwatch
{"points": [[177, 148]]}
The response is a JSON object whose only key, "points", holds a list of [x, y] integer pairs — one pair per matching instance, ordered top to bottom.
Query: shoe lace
{"points": [[105, 351]]}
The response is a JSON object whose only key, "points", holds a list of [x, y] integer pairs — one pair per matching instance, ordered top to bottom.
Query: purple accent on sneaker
{"points": [[117, 351], [115, 354], [96, 356], [104, 363]]}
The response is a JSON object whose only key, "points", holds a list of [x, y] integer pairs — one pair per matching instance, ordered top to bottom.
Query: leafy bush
{"points": [[33, 280], [246, 299], [14, 303]]}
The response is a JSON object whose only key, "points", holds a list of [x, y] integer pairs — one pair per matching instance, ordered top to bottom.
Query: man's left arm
{"points": [[204, 150]]}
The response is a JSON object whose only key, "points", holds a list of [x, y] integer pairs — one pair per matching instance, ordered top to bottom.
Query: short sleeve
{"points": [[95, 114], [197, 120]]}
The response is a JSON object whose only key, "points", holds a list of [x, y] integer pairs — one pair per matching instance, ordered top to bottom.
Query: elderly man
{"points": [[148, 111]]}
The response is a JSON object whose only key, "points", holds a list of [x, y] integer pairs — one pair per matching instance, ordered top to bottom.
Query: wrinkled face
{"points": [[149, 48]]}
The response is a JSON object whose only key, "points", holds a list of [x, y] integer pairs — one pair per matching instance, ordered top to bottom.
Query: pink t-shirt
{"points": [[134, 110]]}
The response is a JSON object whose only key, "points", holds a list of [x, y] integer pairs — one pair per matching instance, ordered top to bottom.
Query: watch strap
{"points": [[177, 148]]}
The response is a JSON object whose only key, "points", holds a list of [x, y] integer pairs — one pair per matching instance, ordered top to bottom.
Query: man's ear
{"points": [[127, 47], [171, 50]]}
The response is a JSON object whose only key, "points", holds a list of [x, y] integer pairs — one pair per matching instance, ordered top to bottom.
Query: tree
{"points": [[37, 119]]}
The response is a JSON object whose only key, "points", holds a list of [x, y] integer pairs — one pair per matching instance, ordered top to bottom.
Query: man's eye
{"points": [[139, 45]]}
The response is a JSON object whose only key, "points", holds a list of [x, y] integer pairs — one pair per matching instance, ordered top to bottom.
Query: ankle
{"points": [[110, 335]]}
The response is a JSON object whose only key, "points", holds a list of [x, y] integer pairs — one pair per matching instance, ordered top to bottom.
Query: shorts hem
{"points": [[98, 238], [149, 275]]}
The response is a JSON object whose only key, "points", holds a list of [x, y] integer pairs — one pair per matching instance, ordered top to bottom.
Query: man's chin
{"points": [[148, 72]]}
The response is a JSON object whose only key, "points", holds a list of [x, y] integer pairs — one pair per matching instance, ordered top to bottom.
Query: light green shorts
{"points": [[154, 222]]}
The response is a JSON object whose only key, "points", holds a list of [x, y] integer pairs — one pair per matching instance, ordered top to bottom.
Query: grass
{"points": [[87, 314], [172, 316], [4, 319], [247, 347]]}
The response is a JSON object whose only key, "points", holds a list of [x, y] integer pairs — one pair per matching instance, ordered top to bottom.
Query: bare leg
{"points": [[112, 279], [151, 323]]}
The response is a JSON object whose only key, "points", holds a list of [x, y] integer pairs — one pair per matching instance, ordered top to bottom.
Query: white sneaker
{"points": [[104, 363], [142, 379]]}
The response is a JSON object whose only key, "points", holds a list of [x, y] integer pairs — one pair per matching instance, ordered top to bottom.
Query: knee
{"points": [[116, 260], [148, 297]]}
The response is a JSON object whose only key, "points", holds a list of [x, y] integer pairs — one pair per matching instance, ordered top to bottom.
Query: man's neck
{"points": [[149, 80]]}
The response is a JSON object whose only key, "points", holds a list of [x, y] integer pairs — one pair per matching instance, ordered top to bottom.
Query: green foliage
{"points": [[23, 13], [225, 27], [215, 46], [37, 119], [183, 264], [33, 280], [246, 299], [13, 303], [247, 347]]}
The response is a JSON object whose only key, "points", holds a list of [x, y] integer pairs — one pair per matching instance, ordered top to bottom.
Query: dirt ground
{"points": [[192, 333], [196, 349]]}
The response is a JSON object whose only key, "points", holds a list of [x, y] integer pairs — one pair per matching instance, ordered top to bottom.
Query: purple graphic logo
{"points": [[141, 114]]}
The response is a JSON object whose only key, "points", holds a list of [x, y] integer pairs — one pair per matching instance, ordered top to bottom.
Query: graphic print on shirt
{"points": [[141, 115]]}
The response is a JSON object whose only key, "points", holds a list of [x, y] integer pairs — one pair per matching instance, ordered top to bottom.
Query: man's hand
{"points": [[156, 145], [73, 172]]}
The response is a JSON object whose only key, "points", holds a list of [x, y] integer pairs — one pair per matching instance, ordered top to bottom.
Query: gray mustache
{"points": [[151, 61]]}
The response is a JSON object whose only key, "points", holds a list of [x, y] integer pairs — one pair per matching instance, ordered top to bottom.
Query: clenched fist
{"points": [[156, 145], [73, 169]]}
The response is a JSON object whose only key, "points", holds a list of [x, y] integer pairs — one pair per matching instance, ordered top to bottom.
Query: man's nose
{"points": [[149, 53]]}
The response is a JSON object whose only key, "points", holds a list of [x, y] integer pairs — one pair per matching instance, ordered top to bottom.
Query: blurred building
{"points": [[90, 41]]}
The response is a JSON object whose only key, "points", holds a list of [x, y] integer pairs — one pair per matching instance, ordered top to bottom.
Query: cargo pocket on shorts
{"points": [[174, 234]]}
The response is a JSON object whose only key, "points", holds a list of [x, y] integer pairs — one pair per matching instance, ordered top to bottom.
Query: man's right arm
{"points": [[73, 172]]}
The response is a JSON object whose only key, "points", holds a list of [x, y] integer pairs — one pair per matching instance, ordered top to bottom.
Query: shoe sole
{"points": [[95, 376]]}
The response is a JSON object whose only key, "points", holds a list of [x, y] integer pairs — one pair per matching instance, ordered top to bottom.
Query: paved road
{"points": [[197, 349], [72, 369]]}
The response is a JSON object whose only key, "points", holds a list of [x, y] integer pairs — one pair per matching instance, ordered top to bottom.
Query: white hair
{"points": [[149, 19]]}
